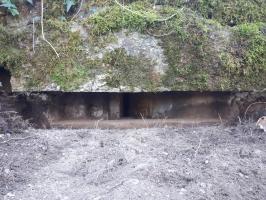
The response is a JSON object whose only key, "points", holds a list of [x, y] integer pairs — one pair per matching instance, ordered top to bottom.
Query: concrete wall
{"points": [[179, 105], [68, 106]]}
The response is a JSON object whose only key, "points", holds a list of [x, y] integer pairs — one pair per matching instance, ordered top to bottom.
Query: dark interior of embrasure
{"points": [[5, 77], [112, 106]]}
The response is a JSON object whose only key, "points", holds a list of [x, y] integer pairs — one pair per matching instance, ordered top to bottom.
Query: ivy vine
{"points": [[12, 8]]}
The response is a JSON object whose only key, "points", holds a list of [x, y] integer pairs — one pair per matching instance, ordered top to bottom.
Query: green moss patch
{"points": [[228, 12], [115, 19], [190, 42], [245, 61], [125, 70]]}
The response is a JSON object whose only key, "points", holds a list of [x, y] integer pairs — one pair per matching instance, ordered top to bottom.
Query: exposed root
{"points": [[144, 16], [33, 35], [162, 35], [43, 36], [255, 103]]}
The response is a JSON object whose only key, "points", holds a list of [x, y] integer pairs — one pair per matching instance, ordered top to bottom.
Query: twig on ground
{"points": [[80, 6], [43, 36], [245, 115], [220, 118], [239, 119], [97, 123], [163, 123], [147, 126], [14, 139], [197, 150], [116, 186]]}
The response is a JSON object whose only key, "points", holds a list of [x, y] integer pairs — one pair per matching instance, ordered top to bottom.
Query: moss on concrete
{"points": [[227, 12], [115, 18], [189, 42], [10, 55], [245, 61], [133, 72]]}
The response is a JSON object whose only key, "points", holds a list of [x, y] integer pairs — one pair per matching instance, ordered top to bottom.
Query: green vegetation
{"points": [[11, 7], [228, 12], [119, 19], [253, 43], [202, 53], [10, 55], [250, 56], [189, 60], [245, 61], [125, 70]]}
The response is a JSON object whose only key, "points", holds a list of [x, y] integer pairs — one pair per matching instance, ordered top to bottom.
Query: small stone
{"points": [[101, 144], [258, 152], [243, 153], [121, 161], [7, 171], [240, 174], [133, 181], [203, 185], [182, 191], [202, 191], [10, 195]]}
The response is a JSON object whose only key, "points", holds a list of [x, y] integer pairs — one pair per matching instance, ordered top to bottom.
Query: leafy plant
{"points": [[30, 1], [69, 4], [11, 7]]}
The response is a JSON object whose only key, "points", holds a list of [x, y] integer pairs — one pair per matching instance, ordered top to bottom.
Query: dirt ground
{"points": [[198, 163]]}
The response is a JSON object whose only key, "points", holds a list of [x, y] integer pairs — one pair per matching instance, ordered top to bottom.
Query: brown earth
{"points": [[213, 162]]}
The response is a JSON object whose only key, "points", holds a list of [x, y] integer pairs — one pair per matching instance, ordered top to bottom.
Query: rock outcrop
{"points": [[105, 46]]}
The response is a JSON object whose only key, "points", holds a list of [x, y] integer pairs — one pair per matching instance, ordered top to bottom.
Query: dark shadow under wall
{"points": [[5, 77], [59, 106], [43, 109]]}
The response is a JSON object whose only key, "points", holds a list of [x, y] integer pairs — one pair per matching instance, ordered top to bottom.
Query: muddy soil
{"points": [[197, 163]]}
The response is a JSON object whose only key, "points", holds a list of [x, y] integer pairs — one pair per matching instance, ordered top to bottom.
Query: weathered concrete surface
{"points": [[102, 52], [59, 106]]}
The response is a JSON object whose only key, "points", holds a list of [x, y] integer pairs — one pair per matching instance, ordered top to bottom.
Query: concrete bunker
{"points": [[5, 77], [59, 107]]}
